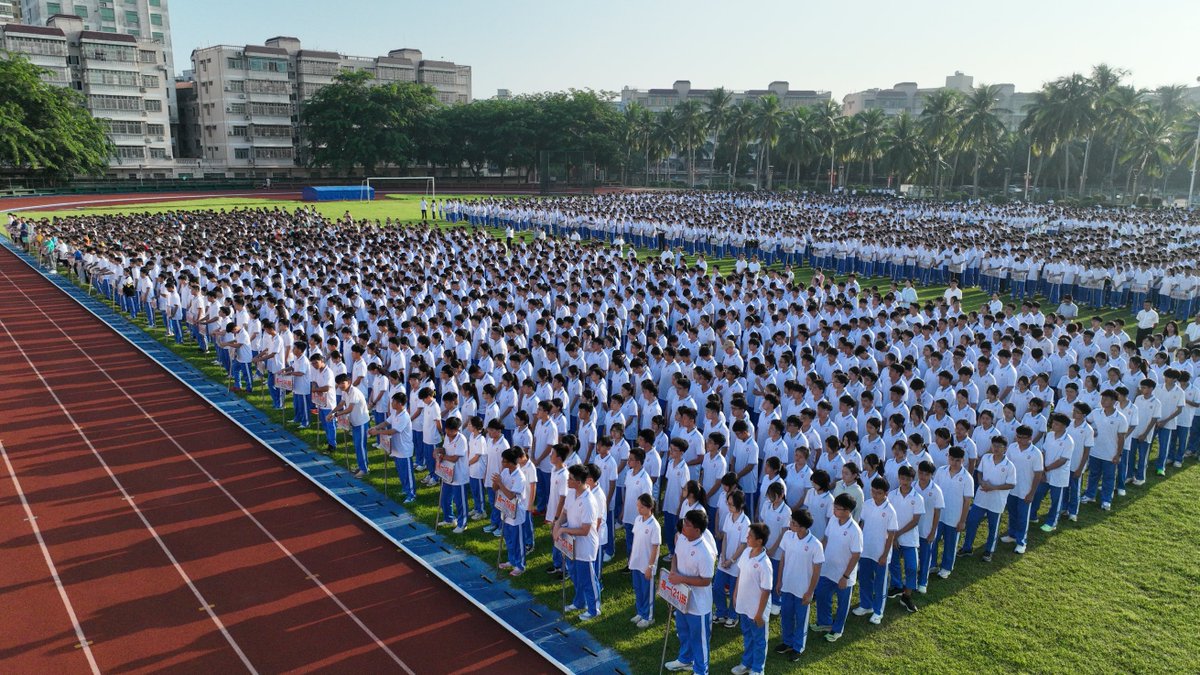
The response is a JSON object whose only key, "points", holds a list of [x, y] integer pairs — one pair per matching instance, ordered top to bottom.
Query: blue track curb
{"points": [[570, 649]]}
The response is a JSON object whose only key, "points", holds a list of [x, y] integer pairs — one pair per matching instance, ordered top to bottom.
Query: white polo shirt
{"points": [[1108, 428], [1056, 448], [1028, 463], [992, 472], [514, 481], [635, 486], [955, 487], [558, 488], [932, 494], [906, 507], [581, 509], [878, 520], [733, 535], [647, 537], [841, 542], [799, 556], [697, 559], [755, 575]]}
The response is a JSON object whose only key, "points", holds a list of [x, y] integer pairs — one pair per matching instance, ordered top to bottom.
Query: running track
{"points": [[164, 537]]}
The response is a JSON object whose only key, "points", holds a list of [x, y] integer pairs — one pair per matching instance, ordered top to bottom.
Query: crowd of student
{"points": [[1102, 258], [786, 442]]}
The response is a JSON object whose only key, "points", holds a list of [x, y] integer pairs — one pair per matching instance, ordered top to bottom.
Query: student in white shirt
{"points": [[354, 408], [1111, 427], [397, 428], [1057, 449], [453, 455], [1029, 464], [997, 477], [510, 482], [636, 483], [958, 489], [909, 506], [775, 514], [580, 525], [927, 527], [879, 536], [731, 537], [843, 544], [643, 558], [693, 564], [797, 573], [751, 597]]}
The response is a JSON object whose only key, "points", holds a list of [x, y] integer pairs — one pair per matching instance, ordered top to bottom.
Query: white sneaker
{"points": [[1178, 465], [1139, 481], [1121, 492], [1086, 500], [1105, 506], [1072, 517], [460, 529], [1007, 539], [1019, 549], [608, 557], [934, 570], [943, 574], [922, 589], [570, 608], [775, 610], [861, 611], [588, 616], [636, 619], [876, 619], [645, 623], [676, 666], [739, 669]]}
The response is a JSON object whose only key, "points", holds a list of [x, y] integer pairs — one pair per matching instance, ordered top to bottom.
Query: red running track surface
{"points": [[181, 543]]}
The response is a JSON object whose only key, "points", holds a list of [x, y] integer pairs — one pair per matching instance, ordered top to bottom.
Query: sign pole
{"points": [[666, 638]]}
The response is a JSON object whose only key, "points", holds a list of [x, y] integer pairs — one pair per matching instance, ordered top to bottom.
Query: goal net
{"points": [[426, 185]]}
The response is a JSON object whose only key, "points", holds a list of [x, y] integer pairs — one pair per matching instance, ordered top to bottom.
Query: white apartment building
{"points": [[10, 11], [142, 19], [124, 82], [908, 97], [249, 98], [658, 100]]}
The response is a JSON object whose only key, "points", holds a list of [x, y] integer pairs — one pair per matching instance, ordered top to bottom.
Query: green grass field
{"points": [[1109, 593]]}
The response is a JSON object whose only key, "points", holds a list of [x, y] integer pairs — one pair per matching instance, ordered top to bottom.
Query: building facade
{"points": [[10, 11], [141, 19], [124, 82], [249, 98], [658, 100], [1011, 105]]}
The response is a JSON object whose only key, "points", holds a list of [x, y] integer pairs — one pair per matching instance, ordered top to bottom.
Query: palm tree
{"points": [[1172, 101], [717, 108], [1121, 109], [768, 118], [939, 125], [827, 126], [738, 127], [868, 128], [981, 128], [637, 131], [690, 132], [663, 138], [797, 142], [1150, 147], [904, 148]]}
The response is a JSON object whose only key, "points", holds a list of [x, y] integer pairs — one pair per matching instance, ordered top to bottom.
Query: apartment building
{"points": [[10, 11], [124, 82], [908, 97], [249, 98], [658, 100]]}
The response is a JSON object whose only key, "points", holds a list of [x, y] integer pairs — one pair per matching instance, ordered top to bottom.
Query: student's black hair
{"points": [[802, 517]]}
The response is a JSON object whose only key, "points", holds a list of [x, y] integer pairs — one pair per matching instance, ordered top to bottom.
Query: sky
{"points": [[838, 46]]}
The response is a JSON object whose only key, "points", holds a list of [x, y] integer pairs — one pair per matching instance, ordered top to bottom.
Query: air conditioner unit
{"points": [[226, 87], [142, 89], [145, 114], [247, 117]]}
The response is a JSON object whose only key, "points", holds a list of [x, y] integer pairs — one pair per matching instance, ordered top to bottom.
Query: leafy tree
{"points": [[353, 123], [45, 128], [981, 128], [904, 149]]}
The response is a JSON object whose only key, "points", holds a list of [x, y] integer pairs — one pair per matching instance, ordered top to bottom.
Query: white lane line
{"points": [[121, 488], [303, 568], [84, 643]]}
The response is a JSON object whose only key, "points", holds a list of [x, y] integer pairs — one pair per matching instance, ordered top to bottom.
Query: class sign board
{"points": [[285, 382], [445, 471], [507, 506], [566, 545], [675, 595]]}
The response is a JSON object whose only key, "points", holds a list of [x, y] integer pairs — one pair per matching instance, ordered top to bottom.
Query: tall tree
{"points": [[718, 104], [768, 118], [353, 124], [939, 124], [869, 127], [981, 128], [45, 129], [738, 129], [691, 131], [904, 148]]}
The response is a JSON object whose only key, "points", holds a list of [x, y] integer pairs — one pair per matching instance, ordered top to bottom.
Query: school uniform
{"points": [[359, 418], [401, 451], [1028, 463], [1102, 469], [1056, 480], [635, 485], [454, 491], [990, 504], [581, 510], [879, 520], [514, 535], [646, 537], [841, 542], [798, 556], [756, 574], [693, 625]]}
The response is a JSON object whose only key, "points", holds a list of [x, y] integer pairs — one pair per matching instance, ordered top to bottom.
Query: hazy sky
{"points": [[839, 46]]}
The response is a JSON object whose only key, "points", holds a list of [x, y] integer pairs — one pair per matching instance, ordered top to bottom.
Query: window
{"points": [[156, 3], [53, 8], [81, 11], [108, 14], [131, 17], [156, 19], [108, 29], [134, 32], [157, 37], [29, 45], [101, 52], [147, 56], [235, 64], [268, 65], [115, 78], [150, 81], [236, 85], [267, 86], [108, 102], [153, 105], [237, 108], [271, 109], [124, 127], [155, 129], [238, 130], [272, 131], [131, 152], [158, 153], [241, 153], [272, 153]]}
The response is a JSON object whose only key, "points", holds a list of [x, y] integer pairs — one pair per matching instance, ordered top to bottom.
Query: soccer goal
{"points": [[429, 184]]}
